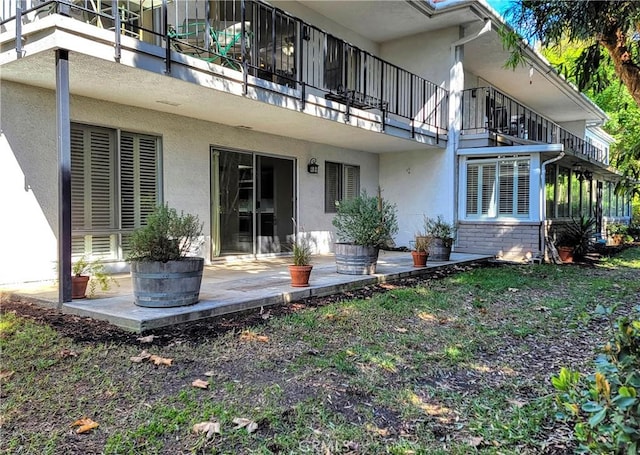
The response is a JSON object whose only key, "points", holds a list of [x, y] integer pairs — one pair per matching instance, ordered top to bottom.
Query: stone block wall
{"points": [[507, 240]]}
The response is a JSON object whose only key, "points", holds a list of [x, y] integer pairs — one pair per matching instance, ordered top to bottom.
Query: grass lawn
{"points": [[455, 365]]}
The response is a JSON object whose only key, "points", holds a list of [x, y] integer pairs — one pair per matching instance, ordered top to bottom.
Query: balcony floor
{"points": [[229, 287]]}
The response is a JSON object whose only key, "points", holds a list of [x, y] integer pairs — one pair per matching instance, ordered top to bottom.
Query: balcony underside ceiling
{"points": [[386, 20], [104, 80], [540, 90]]}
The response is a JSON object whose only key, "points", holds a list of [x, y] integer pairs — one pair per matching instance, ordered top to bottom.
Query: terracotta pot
{"points": [[565, 253], [419, 258], [300, 275], [79, 287]]}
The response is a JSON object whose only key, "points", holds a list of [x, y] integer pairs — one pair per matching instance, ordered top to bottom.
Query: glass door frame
{"points": [[214, 178]]}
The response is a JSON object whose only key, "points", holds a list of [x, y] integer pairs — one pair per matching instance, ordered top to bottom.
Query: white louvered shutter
{"points": [[351, 182], [331, 186], [488, 188], [506, 188], [523, 188], [472, 189]]}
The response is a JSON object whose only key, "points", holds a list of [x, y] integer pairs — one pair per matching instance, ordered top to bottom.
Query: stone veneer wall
{"points": [[508, 240]]}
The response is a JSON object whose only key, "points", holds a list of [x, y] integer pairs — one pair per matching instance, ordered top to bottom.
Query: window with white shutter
{"points": [[342, 181], [114, 186], [497, 188], [472, 189]]}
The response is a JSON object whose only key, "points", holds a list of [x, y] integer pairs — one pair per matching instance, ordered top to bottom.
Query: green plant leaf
{"points": [[627, 391], [623, 402], [591, 406], [598, 417]]}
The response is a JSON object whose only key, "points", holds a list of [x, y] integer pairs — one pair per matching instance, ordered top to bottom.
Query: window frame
{"points": [[343, 173], [126, 193], [490, 203]]}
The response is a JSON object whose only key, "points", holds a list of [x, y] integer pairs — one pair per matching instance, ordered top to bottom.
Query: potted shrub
{"points": [[363, 225], [443, 234], [575, 239], [420, 252], [300, 270], [88, 273], [162, 273]]}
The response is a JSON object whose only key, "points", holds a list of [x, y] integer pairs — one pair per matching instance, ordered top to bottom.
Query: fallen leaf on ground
{"points": [[513, 289], [401, 330], [248, 335], [147, 339], [68, 353], [144, 355], [156, 359], [210, 373], [6, 374], [199, 383], [517, 403], [84, 425], [250, 425], [210, 428], [384, 432], [475, 442]]}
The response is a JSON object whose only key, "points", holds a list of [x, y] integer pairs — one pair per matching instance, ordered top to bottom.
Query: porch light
{"points": [[313, 166], [588, 175]]}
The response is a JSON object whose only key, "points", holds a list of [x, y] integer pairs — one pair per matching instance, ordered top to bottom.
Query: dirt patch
{"points": [[85, 329]]}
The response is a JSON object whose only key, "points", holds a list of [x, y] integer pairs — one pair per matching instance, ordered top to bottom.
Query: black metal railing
{"points": [[264, 42], [485, 109]]}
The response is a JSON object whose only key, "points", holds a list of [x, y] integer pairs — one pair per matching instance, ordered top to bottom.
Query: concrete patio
{"points": [[232, 286]]}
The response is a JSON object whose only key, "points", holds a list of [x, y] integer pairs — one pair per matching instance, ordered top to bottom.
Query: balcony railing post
{"points": [[116, 29], [19, 31], [167, 38], [243, 46], [424, 101], [397, 109], [383, 114], [412, 120]]}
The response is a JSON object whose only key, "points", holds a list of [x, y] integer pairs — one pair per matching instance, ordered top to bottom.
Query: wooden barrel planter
{"points": [[439, 251], [356, 259], [167, 284]]}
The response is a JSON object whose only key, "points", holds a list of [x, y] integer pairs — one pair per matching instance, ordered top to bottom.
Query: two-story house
{"points": [[259, 116]]}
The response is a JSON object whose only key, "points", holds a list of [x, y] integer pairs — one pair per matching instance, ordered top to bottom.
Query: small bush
{"points": [[366, 220], [167, 236], [604, 406]]}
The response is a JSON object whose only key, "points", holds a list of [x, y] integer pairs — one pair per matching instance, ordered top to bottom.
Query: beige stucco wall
{"points": [[425, 54], [28, 153], [419, 183], [509, 240]]}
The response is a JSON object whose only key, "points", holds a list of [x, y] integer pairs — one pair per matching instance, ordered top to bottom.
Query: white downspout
{"points": [[456, 87], [542, 235]]}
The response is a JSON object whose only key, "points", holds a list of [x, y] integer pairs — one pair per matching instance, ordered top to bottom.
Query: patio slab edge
{"points": [[205, 309]]}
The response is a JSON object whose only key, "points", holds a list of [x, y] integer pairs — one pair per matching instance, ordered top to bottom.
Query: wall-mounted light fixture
{"points": [[313, 166], [588, 175]]}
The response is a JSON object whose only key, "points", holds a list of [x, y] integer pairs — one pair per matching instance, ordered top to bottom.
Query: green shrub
{"points": [[366, 220], [167, 236], [604, 406]]}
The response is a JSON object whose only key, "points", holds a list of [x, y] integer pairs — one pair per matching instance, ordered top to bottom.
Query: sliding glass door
{"points": [[252, 203]]}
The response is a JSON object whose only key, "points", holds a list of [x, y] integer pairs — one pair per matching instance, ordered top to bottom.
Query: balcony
{"points": [[266, 48], [486, 110]]}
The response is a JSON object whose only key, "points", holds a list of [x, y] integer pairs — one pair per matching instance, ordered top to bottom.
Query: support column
{"points": [[64, 177]]}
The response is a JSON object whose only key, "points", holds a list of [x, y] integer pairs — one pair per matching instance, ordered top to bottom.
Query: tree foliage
{"points": [[604, 28], [595, 45], [615, 100]]}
